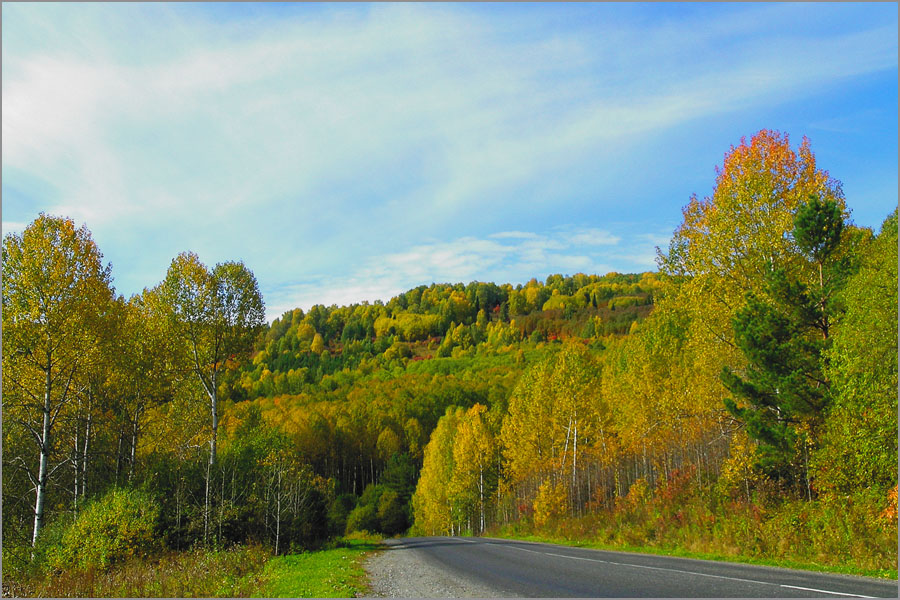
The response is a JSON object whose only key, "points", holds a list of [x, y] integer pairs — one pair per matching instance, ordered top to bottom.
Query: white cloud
{"points": [[310, 144], [13, 227], [594, 237], [516, 259]]}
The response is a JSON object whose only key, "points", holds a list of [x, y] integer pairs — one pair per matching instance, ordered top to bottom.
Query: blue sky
{"points": [[348, 152]]}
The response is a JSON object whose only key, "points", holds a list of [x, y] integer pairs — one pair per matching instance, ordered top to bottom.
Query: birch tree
{"points": [[55, 291], [215, 315]]}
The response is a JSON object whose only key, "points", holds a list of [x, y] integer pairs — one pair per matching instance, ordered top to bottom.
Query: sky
{"points": [[350, 152]]}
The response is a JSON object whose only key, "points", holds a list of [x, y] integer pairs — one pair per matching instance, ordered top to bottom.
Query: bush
{"points": [[551, 503], [338, 513], [392, 513], [362, 518], [120, 525]]}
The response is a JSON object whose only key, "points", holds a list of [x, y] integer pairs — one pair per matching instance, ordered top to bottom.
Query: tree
{"points": [[728, 242], [55, 293], [216, 316], [783, 338], [555, 414], [859, 441], [474, 459], [431, 506]]}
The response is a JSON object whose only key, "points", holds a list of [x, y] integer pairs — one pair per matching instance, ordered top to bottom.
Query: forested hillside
{"points": [[744, 395]]}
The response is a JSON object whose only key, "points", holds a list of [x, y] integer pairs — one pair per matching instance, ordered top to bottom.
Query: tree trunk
{"points": [[214, 409], [134, 438], [84, 453], [574, 463], [76, 466], [41, 490], [481, 496], [206, 505], [278, 513]]}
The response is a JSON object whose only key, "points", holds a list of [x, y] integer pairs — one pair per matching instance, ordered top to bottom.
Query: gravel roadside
{"points": [[401, 571]]}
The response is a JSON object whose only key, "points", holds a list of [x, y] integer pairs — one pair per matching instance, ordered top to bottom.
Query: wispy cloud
{"points": [[307, 142], [498, 257]]}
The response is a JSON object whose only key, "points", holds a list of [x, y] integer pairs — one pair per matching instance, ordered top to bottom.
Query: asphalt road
{"points": [[528, 569]]}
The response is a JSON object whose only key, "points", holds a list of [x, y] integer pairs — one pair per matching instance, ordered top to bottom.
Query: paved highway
{"points": [[527, 569]]}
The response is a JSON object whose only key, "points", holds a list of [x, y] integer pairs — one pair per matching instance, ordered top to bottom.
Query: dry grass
{"points": [[847, 534], [197, 573]]}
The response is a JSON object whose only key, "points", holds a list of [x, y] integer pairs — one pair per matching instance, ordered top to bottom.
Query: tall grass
{"points": [[848, 534], [239, 572], [196, 573]]}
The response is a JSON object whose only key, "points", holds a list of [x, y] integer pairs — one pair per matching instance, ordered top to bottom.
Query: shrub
{"points": [[551, 502], [339, 511], [392, 514], [362, 518], [120, 525]]}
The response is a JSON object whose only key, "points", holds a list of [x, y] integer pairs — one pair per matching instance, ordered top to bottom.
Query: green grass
{"points": [[504, 533], [238, 572], [335, 572]]}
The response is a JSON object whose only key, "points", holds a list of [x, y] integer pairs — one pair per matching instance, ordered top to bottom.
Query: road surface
{"points": [[488, 567]]}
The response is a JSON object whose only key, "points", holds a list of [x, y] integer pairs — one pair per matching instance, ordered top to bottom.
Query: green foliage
{"points": [[817, 228], [784, 340], [780, 384], [860, 439], [338, 512], [393, 516], [363, 518], [120, 525], [197, 573]]}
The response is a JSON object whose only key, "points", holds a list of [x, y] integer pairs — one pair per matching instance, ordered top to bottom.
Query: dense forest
{"points": [[752, 379]]}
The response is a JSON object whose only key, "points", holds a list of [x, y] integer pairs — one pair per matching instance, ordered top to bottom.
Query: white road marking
{"points": [[596, 560], [797, 587]]}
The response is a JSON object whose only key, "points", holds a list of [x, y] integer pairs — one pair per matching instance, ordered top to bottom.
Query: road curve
{"points": [[527, 569]]}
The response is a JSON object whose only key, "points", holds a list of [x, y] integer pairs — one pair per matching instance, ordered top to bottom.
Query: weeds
{"points": [[848, 534], [196, 573]]}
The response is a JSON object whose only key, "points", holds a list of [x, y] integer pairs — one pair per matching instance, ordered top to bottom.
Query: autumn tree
{"points": [[729, 241], [55, 293], [216, 315], [784, 337], [554, 417], [475, 461], [431, 506]]}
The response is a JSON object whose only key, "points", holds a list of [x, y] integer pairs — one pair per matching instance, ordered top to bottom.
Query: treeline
{"points": [[326, 346], [763, 383], [112, 412], [180, 412]]}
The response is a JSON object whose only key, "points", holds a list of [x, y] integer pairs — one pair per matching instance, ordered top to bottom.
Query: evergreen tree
{"points": [[783, 337]]}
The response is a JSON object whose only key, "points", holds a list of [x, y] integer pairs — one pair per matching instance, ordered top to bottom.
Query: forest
{"points": [[741, 400]]}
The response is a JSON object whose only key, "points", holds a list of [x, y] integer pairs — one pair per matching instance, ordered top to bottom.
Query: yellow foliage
{"points": [[738, 471], [551, 502]]}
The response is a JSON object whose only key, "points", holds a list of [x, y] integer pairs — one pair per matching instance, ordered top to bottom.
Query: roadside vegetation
{"points": [[739, 402], [752, 414], [848, 535], [243, 571], [334, 572]]}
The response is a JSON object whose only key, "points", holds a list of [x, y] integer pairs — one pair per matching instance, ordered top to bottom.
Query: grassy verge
{"points": [[505, 533], [851, 534], [239, 572], [334, 572], [196, 573]]}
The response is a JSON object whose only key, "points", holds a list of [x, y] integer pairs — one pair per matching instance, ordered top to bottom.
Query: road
{"points": [[526, 569]]}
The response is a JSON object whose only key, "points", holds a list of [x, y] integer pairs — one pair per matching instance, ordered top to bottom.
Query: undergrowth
{"points": [[846, 534]]}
